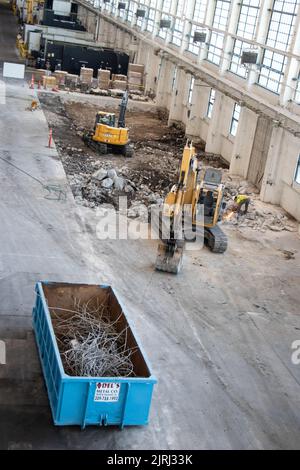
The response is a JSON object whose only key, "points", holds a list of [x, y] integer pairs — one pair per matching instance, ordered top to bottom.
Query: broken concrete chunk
{"points": [[112, 173], [100, 174], [107, 183], [119, 183], [128, 188]]}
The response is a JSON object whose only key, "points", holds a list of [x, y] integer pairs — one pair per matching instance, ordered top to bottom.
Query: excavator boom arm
{"points": [[123, 108]]}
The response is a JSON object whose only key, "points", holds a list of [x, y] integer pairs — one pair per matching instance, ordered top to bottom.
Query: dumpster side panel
{"points": [[47, 353], [74, 398], [137, 407]]}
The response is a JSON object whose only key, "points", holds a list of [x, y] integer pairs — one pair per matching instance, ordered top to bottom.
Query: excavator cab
{"points": [[108, 119], [211, 196]]}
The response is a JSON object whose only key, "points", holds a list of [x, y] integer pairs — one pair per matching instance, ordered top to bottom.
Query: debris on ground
{"points": [[146, 178], [288, 254]]}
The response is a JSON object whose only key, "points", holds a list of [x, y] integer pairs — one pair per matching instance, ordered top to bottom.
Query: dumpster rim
{"points": [[151, 379]]}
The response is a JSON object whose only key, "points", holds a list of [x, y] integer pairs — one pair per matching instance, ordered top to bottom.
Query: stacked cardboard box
{"points": [[136, 68], [86, 75], [60, 77], [120, 77], [136, 77], [103, 79], [71, 81], [49, 82], [119, 82], [119, 85]]}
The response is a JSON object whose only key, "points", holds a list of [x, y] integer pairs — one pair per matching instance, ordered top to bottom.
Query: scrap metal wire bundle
{"points": [[89, 342]]}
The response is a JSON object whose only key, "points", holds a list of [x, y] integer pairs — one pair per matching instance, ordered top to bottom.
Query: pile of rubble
{"points": [[107, 184], [147, 187], [260, 216]]}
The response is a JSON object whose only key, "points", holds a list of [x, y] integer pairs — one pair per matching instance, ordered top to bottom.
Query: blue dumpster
{"points": [[89, 400]]}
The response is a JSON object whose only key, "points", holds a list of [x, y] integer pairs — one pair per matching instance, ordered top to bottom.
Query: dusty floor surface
{"points": [[218, 336]]}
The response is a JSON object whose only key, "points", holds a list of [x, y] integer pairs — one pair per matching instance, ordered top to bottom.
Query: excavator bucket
{"points": [[169, 261]]}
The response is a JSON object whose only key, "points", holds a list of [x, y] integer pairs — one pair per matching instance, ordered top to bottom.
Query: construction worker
{"points": [[242, 202]]}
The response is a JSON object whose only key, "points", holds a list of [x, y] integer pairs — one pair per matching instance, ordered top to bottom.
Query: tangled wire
{"points": [[89, 342]]}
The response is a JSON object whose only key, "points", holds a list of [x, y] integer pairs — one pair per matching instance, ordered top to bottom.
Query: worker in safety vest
{"points": [[242, 202]]}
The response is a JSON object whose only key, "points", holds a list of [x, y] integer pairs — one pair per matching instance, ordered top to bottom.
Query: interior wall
{"points": [[277, 185]]}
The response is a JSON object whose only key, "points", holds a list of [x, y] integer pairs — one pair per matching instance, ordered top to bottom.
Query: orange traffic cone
{"points": [[32, 82]]}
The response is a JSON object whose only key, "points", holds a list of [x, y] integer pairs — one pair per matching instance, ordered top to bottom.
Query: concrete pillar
{"points": [[151, 62], [164, 83], [179, 98], [198, 110], [214, 137], [243, 142], [271, 188]]}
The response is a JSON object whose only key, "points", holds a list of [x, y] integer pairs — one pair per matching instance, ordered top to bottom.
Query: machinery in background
{"points": [[73, 56], [109, 135], [195, 192]]}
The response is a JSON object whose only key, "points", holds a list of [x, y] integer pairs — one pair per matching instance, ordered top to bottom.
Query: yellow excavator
{"points": [[109, 136], [196, 191]]}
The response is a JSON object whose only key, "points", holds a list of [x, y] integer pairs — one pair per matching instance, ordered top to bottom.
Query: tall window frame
{"points": [[199, 14], [246, 28], [279, 36], [216, 41], [191, 89], [211, 102], [235, 119]]}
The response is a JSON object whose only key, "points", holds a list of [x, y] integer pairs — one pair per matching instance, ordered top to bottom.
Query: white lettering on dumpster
{"points": [[107, 391]]}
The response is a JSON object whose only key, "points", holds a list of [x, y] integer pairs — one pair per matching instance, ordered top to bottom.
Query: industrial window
{"points": [[107, 6], [166, 6], [114, 7], [180, 7], [130, 10], [199, 11], [121, 13], [199, 17], [140, 20], [150, 20], [282, 22], [178, 24], [246, 28], [163, 31], [177, 32], [279, 36], [216, 41], [193, 47], [215, 48], [272, 70], [174, 78], [191, 88], [211, 102], [235, 119], [297, 173]]}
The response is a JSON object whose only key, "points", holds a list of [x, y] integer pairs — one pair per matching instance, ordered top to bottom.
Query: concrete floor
{"points": [[8, 33], [218, 336]]}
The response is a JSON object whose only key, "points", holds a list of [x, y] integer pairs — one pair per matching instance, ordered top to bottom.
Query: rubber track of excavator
{"points": [[216, 239]]}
